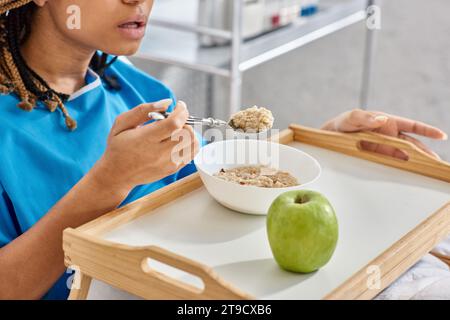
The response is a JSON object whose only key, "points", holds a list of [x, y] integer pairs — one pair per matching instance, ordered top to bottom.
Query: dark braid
{"points": [[14, 29], [100, 64], [17, 77]]}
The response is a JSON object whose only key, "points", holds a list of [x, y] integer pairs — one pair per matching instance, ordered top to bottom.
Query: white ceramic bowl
{"points": [[263, 135], [235, 153]]}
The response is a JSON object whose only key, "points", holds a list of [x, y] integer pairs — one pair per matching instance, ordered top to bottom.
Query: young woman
{"points": [[73, 132]]}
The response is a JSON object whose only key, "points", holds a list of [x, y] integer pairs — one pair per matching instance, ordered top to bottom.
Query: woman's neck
{"points": [[60, 62]]}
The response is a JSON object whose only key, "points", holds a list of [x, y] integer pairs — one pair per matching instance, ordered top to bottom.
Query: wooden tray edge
{"points": [[349, 143], [420, 163], [95, 258], [398, 258]]}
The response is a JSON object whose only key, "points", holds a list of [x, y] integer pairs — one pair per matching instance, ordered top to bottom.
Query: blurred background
{"points": [[306, 60]]}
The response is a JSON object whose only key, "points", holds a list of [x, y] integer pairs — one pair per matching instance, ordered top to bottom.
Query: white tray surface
{"points": [[376, 206]]}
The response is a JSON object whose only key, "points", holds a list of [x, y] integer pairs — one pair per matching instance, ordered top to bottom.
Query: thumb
{"points": [[139, 115]]}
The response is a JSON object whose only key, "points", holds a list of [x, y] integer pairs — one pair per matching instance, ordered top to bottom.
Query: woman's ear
{"points": [[40, 3]]}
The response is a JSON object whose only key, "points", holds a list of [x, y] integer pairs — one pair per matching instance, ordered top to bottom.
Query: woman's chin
{"points": [[126, 49]]}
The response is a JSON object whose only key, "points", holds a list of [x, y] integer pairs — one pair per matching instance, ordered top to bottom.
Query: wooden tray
{"points": [[391, 213]]}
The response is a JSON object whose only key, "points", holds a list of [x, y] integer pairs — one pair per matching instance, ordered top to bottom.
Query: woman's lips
{"points": [[134, 30]]}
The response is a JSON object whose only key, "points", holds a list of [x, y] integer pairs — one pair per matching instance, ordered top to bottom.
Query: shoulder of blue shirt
{"points": [[130, 76], [140, 81], [144, 82]]}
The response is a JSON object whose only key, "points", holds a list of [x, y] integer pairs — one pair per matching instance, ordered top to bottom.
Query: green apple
{"points": [[303, 230]]}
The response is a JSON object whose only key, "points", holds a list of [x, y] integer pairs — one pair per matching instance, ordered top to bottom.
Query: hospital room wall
{"points": [[411, 73]]}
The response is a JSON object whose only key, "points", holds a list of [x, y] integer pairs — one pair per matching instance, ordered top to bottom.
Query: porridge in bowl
{"points": [[254, 119], [258, 176], [243, 198]]}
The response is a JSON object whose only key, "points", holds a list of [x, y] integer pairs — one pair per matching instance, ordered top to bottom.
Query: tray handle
{"points": [[349, 143], [126, 267]]}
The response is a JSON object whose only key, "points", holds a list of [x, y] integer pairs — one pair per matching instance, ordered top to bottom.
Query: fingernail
{"points": [[163, 103], [182, 104], [156, 116], [381, 118], [445, 136]]}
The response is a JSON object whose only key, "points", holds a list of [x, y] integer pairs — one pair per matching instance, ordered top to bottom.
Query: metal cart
{"points": [[231, 61]]}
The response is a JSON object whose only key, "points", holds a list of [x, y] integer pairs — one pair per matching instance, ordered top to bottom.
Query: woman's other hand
{"points": [[394, 126], [139, 154]]}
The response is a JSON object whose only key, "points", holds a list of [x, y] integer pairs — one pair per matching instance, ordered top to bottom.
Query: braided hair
{"points": [[15, 75]]}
